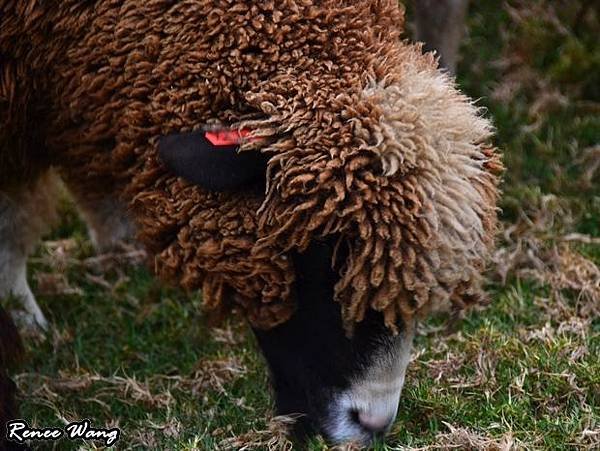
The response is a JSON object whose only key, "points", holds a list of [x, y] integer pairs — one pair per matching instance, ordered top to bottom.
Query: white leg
{"points": [[23, 215], [108, 222], [19, 288]]}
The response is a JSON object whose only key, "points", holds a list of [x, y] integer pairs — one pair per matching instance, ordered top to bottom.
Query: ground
{"points": [[523, 373]]}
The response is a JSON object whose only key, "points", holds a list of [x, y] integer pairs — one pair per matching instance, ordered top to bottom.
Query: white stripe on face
{"points": [[370, 405]]}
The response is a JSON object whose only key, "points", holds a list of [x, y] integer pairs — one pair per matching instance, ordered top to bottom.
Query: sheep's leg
{"points": [[440, 24], [24, 213], [108, 221]]}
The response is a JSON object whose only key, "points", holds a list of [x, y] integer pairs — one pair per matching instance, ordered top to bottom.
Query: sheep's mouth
{"points": [[307, 410]]}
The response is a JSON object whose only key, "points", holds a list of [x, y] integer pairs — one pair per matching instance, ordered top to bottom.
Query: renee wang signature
{"points": [[19, 431]]}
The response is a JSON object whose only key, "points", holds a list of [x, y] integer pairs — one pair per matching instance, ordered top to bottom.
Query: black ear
{"points": [[214, 167]]}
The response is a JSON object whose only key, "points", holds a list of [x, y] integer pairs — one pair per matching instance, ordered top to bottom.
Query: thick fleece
{"points": [[367, 140]]}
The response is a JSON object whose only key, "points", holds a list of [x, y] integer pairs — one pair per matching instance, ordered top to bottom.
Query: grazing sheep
{"points": [[367, 178]]}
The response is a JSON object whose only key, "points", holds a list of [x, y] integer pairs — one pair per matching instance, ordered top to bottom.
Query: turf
{"points": [[524, 373]]}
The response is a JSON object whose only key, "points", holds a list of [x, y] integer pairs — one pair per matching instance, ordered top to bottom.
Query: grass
{"points": [[524, 373]]}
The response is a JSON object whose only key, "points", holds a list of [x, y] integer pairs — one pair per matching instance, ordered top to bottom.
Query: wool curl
{"points": [[367, 140]]}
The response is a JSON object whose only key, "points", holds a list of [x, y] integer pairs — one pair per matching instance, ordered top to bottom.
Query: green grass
{"points": [[524, 371]]}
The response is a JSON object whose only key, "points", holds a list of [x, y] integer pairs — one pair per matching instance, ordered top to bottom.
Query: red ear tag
{"points": [[224, 137]]}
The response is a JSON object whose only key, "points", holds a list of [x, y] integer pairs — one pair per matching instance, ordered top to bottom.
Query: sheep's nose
{"points": [[375, 424]]}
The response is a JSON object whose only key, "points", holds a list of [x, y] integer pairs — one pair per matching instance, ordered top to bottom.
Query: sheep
{"points": [[439, 24], [369, 181]]}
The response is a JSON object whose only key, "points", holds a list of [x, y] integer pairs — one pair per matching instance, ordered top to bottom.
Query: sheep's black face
{"points": [[345, 388]]}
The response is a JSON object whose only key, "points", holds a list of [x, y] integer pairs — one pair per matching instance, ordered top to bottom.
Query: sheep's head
{"points": [[375, 189], [384, 203], [346, 387]]}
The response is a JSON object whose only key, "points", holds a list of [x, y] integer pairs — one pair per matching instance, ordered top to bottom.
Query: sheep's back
{"points": [[315, 80]]}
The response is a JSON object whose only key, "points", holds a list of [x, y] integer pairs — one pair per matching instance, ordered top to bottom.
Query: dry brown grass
{"points": [[536, 247], [274, 438]]}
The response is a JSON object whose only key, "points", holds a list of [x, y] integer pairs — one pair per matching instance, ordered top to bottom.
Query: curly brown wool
{"points": [[366, 138]]}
